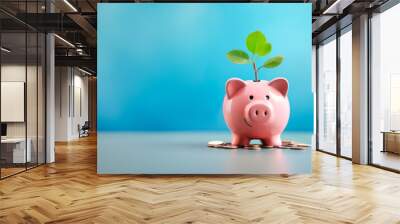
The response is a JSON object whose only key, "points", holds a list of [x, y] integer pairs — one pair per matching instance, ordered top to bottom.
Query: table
{"points": [[391, 141], [15, 148]]}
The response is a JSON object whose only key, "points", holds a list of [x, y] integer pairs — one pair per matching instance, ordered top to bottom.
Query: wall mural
{"points": [[204, 88]]}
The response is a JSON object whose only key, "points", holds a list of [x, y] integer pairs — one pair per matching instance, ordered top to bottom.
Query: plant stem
{"points": [[255, 72]]}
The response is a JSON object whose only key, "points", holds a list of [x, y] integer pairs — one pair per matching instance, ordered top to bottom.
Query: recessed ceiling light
{"points": [[70, 5], [337, 7], [64, 40], [5, 50], [84, 71]]}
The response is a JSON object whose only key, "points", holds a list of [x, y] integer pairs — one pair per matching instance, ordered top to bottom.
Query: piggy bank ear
{"points": [[280, 84], [233, 86]]}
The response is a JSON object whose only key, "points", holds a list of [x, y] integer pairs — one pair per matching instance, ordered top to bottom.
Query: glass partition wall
{"points": [[334, 86], [13, 89], [385, 89], [327, 95], [346, 95], [22, 98]]}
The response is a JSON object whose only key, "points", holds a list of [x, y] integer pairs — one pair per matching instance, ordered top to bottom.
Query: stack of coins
{"points": [[221, 144], [286, 144], [293, 145], [253, 146]]}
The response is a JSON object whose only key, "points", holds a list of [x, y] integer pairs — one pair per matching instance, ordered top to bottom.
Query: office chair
{"points": [[84, 130]]}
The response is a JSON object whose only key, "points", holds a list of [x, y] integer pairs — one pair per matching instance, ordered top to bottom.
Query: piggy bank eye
{"points": [[267, 96], [251, 97]]}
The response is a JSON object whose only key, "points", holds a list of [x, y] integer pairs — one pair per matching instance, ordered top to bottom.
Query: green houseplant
{"points": [[258, 45]]}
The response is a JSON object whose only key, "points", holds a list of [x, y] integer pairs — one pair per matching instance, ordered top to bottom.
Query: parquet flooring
{"points": [[10, 171], [70, 191]]}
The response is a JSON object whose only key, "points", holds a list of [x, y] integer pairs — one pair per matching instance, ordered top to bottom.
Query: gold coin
{"points": [[215, 143]]}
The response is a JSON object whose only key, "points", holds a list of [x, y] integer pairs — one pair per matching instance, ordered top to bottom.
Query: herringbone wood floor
{"points": [[70, 191]]}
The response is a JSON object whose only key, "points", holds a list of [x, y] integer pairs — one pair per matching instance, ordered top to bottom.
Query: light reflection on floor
{"points": [[386, 159]]}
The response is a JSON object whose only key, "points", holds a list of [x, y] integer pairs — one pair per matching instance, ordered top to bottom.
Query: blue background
{"points": [[163, 67]]}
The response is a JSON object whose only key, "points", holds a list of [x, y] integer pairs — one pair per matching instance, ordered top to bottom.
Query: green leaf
{"points": [[256, 42], [264, 49], [238, 57], [273, 62]]}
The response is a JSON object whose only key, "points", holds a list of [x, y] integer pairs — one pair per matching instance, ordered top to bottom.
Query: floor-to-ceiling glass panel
{"points": [[22, 89], [385, 89], [346, 93], [327, 95], [41, 98], [31, 99], [34, 101], [15, 151]]}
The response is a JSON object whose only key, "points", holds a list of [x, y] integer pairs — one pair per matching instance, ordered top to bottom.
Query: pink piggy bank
{"points": [[256, 110]]}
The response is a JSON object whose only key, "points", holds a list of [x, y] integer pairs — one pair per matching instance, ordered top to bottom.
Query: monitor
{"points": [[3, 129]]}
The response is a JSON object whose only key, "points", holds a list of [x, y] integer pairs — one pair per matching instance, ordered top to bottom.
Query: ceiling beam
{"points": [[86, 26], [82, 61]]}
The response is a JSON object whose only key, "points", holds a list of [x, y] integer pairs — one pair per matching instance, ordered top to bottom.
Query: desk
{"points": [[391, 141], [15, 148]]}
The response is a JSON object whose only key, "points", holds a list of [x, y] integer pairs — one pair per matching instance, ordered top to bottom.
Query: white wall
{"points": [[16, 72], [62, 82], [71, 102], [80, 103], [33, 127]]}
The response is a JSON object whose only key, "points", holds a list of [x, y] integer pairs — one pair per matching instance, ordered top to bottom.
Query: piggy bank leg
{"points": [[239, 140], [274, 141]]}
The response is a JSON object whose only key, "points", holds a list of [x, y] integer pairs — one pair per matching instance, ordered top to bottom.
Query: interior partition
{"points": [[327, 78], [22, 88], [385, 89]]}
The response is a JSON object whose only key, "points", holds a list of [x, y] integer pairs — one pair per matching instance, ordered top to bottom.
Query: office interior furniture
{"points": [[84, 129], [3, 130], [391, 141], [13, 151]]}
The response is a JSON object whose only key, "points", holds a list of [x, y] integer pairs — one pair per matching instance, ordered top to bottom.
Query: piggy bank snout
{"points": [[258, 112]]}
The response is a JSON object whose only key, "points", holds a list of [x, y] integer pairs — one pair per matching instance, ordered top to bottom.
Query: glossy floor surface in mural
{"points": [[187, 153]]}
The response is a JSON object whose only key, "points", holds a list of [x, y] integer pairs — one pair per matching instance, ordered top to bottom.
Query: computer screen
{"points": [[3, 129]]}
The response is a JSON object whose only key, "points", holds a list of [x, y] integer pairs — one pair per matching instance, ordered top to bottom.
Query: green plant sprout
{"points": [[258, 45]]}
